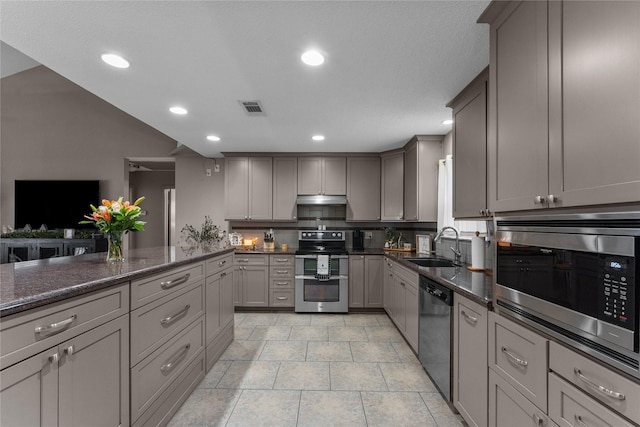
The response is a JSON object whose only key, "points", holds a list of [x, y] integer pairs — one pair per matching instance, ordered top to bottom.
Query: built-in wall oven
{"points": [[321, 272], [576, 278]]}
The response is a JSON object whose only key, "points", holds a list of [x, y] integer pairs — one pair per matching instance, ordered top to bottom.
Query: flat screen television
{"points": [[58, 204]]}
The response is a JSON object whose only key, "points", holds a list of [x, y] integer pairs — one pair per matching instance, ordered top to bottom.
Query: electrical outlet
{"points": [[216, 168], [208, 172], [368, 235]]}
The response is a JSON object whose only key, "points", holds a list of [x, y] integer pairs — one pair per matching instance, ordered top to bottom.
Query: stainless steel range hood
{"points": [[321, 200]]}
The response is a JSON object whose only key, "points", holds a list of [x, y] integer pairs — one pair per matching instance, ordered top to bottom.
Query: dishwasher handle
{"points": [[438, 291]]}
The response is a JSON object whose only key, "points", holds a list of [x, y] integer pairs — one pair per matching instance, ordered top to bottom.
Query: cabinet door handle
{"points": [[551, 198], [281, 260], [221, 263], [282, 271], [223, 275], [175, 282], [282, 283], [282, 298], [170, 319], [471, 319], [55, 328], [70, 350], [54, 358], [513, 358], [173, 362], [607, 392], [538, 419], [579, 421]]}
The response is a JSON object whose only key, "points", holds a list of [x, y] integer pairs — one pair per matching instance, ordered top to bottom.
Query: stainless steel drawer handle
{"points": [[282, 259], [243, 260], [221, 263], [282, 271], [171, 283], [282, 283], [282, 298], [170, 319], [471, 319], [57, 327], [70, 350], [513, 358], [172, 364], [598, 387], [579, 421]]}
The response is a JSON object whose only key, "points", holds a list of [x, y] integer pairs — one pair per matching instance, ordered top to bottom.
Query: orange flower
{"points": [[105, 202]]}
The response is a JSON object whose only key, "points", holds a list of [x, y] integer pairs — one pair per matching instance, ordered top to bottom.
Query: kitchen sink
{"points": [[432, 262]]}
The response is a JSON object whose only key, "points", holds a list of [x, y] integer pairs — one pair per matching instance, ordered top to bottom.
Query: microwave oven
{"points": [[574, 277]]}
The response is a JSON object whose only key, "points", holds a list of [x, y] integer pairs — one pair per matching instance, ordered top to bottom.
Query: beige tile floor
{"points": [[286, 369]]}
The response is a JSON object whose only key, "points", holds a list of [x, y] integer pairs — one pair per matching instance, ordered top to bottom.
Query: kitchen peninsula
{"points": [[146, 330]]}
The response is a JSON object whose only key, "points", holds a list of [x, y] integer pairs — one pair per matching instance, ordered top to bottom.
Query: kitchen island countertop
{"points": [[32, 284]]}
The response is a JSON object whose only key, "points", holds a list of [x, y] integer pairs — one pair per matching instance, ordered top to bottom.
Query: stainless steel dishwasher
{"points": [[434, 342]]}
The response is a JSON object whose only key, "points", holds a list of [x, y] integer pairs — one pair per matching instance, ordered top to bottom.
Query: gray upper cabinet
{"points": [[564, 104], [470, 149], [322, 175], [421, 178], [392, 187], [248, 188], [285, 188], [363, 189]]}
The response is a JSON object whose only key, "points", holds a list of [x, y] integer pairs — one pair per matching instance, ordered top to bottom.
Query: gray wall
{"points": [[51, 128], [151, 185], [198, 195]]}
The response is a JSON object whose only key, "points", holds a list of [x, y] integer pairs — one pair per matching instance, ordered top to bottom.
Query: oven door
{"points": [[321, 293]]}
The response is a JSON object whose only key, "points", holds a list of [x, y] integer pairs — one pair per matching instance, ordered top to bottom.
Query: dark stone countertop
{"points": [[31, 284], [477, 286]]}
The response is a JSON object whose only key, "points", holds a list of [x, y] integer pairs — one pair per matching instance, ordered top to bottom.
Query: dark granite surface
{"points": [[32, 284], [477, 286]]}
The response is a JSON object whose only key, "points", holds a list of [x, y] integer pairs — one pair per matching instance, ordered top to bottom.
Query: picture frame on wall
{"points": [[423, 243]]}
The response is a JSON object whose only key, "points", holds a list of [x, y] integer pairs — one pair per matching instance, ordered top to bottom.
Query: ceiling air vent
{"points": [[253, 108]]}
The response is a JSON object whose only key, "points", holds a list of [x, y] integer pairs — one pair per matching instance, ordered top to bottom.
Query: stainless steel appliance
{"points": [[321, 272], [574, 277], [434, 328]]}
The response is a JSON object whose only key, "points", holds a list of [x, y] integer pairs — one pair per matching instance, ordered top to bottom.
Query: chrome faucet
{"points": [[455, 251]]}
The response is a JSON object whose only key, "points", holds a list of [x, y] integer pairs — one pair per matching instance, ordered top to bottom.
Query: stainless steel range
{"points": [[321, 272]]}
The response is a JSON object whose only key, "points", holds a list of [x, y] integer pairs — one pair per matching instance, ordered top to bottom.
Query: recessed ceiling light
{"points": [[312, 57], [115, 60], [178, 110], [447, 122], [318, 137], [213, 138]]}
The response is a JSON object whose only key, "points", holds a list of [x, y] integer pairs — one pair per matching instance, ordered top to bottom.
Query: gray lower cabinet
{"points": [[363, 188], [251, 280], [281, 280], [366, 281], [401, 288], [219, 309], [470, 372], [79, 382], [509, 408]]}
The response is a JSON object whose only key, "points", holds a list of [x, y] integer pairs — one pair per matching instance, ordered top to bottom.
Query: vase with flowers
{"points": [[115, 218]]}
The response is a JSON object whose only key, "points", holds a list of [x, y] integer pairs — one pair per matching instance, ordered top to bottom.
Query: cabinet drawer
{"points": [[251, 259], [282, 261], [219, 263], [281, 271], [406, 276], [283, 283], [148, 289], [281, 298], [151, 324], [25, 334], [520, 356], [152, 376], [589, 376], [168, 403], [508, 407], [569, 407]]}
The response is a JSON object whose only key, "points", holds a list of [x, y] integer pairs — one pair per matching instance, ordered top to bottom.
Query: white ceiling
{"points": [[391, 66]]}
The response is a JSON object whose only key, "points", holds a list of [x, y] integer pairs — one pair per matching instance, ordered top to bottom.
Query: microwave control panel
{"points": [[617, 277]]}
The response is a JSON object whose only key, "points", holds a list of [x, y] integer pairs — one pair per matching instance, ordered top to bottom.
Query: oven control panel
{"points": [[322, 235], [618, 288]]}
